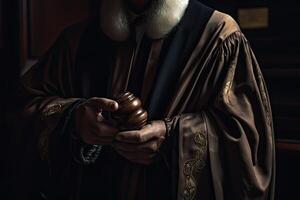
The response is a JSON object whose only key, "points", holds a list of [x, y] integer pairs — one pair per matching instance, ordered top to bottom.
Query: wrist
{"points": [[78, 121], [168, 124], [165, 145], [82, 153]]}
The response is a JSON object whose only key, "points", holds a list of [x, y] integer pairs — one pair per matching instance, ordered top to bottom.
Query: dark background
{"points": [[29, 27]]}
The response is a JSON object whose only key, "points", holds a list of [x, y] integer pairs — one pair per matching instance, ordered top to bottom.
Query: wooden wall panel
{"points": [[47, 18], [1, 26]]}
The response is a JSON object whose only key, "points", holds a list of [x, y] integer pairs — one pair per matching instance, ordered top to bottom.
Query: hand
{"points": [[89, 127], [141, 146]]}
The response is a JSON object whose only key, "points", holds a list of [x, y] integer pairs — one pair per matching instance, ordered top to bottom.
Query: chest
{"points": [[150, 70]]}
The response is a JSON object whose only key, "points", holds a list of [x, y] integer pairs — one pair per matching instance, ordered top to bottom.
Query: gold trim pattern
{"points": [[51, 110], [49, 118], [194, 166]]}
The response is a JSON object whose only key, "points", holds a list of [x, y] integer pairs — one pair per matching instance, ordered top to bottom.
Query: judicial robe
{"points": [[202, 76]]}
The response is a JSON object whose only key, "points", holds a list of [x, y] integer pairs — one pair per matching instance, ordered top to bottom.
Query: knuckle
{"points": [[108, 104], [148, 126], [138, 137], [152, 148]]}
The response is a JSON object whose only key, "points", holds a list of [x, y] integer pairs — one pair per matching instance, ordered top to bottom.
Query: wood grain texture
{"points": [[47, 18], [130, 115], [293, 146]]}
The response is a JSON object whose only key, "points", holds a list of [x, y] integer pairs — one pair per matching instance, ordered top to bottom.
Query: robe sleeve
{"points": [[47, 96], [47, 101], [226, 146]]}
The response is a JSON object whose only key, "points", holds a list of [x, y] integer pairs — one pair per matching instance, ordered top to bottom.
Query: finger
{"points": [[103, 103], [103, 129], [139, 136], [129, 137], [126, 147]]}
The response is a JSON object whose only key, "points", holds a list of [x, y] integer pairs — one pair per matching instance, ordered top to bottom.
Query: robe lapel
{"points": [[183, 41], [122, 68]]}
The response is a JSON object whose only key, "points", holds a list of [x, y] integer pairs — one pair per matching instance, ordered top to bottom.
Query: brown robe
{"points": [[221, 146]]}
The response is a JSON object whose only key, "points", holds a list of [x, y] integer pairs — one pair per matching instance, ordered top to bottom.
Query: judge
{"points": [[209, 129]]}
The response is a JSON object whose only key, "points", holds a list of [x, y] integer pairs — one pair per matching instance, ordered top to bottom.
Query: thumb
{"points": [[103, 103]]}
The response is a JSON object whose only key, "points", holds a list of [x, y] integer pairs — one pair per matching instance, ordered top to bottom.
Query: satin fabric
{"points": [[205, 80]]}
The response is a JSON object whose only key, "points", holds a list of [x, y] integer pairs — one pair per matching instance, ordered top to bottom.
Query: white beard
{"points": [[160, 20]]}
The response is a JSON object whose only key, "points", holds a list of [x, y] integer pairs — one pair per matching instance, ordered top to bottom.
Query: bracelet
{"points": [[90, 153]]}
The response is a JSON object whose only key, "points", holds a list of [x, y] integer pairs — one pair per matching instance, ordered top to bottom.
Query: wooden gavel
{"points": [[130, 115]]}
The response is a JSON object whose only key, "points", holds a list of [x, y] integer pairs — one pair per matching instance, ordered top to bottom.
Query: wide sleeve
{"points": [[46, 93], [46, 100], [240, 124], [226, 146]]}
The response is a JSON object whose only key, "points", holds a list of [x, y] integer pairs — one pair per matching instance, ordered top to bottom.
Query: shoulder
{"points": [[208, 23], [223, 25], [72, 34], [68, 41]]}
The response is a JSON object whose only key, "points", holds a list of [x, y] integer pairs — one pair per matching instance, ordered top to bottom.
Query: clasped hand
{"points": [[139, 146]]}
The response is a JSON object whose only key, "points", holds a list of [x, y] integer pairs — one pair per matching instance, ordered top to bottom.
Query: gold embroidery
{"points": [[225, 94], [52, 110], [50, 117], [194, 166]]}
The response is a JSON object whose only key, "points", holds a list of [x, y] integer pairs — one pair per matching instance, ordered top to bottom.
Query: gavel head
{"points": [[130, 115]]}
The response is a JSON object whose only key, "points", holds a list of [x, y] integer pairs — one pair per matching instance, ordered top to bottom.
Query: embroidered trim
{"points": [[51, 110], [48, 114], [49, 120], [194, 166]]}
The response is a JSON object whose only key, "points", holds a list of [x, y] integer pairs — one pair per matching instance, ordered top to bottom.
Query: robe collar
{"points": [[116, 20]]}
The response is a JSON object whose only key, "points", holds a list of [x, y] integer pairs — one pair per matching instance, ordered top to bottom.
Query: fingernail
{"points": [[114, 105]]}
